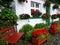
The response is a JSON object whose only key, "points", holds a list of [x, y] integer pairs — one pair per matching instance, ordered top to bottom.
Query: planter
{"points": [[35, 13], [24, 16], [36, 16], [53, 29], [53, 32], [38, 41]]}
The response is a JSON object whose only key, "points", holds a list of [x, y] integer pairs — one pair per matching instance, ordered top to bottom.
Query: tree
{"points": [[5, 3]]}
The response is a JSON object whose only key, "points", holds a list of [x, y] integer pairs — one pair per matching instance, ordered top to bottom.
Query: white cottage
{"points": [[25, 8]]}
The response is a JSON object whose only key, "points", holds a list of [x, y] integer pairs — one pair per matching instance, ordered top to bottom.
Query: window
{"points": [[32, 4], [35, 4]]}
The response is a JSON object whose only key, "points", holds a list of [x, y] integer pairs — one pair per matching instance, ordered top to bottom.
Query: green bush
{"points": [[8, 14], [8, 17], [40, 25], [27, 29]]}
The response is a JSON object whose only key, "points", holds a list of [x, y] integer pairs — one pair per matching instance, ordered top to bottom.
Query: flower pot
{"points": [[53, 32], [38, 41]]}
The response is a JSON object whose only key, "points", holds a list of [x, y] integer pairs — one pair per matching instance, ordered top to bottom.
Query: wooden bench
{"points": [[10, 35]]}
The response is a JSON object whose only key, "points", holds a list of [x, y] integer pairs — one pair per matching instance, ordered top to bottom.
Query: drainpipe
{"points": [[48, 11]]}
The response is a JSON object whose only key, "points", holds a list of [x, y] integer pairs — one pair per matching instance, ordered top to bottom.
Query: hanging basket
{"points": [[21, 1], [47, 3], [55, 6], [45, 16], [54, 16]]}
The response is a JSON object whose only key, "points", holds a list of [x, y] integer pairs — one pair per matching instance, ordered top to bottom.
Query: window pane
{"points": [[32, 4], [37, 5]]}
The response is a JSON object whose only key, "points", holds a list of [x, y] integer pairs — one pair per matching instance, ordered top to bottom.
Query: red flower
{"points": [[33, 11], [53, 26], [44, 31], [37, 32]]}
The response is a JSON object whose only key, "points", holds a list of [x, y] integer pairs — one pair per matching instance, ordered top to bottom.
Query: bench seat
{"points": [[10, 35], [15, 37]]}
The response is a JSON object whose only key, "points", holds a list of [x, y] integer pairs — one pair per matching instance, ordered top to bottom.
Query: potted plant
{"points": [[47, 3], [55, 6], [35, 13], [24, 16], [45, 16], [54, 16], [53, 28], [39, 36]]}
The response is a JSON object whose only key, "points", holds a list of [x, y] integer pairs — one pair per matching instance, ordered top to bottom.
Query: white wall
{"points": [[26, 7], [28, 21]]}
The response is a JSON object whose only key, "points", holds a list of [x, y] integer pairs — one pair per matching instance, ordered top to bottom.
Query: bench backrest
{"points": [[7, 31]]}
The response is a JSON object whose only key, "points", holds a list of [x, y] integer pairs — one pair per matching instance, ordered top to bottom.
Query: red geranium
{"points": [[33, 11], [53, 26], [44, 31], [38, 32]]}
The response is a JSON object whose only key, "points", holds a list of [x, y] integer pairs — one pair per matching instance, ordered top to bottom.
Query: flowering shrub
{"points": [[40, 33]]}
